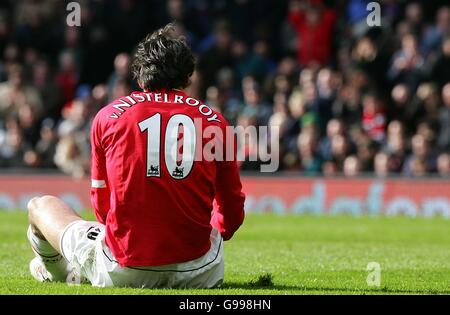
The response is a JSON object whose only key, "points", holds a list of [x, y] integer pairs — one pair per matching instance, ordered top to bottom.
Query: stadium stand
{"points": [[349, 99]]}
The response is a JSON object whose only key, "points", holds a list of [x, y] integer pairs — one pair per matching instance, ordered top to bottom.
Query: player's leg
{"points": [[49, 217]]}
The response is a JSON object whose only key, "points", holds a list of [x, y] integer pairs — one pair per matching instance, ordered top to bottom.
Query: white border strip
{"points": [[98, 183]]}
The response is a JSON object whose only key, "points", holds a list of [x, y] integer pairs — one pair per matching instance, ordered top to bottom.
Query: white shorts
{"points": [[83, 246]]}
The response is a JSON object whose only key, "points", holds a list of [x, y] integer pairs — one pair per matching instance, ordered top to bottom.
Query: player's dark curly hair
{"points": [[163, 61]]}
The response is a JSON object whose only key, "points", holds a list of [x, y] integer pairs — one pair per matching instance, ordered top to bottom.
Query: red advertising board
{"points": [[351, 196], [412, 197]]}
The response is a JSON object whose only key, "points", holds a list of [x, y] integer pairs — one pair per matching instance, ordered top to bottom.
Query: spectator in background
{"points": [[414, 16], [314, 25], [435, 35], [218, 55], [10, 57], [367, 57], [30, 58], [249, 62], [408, 63], [441, 67], [122, 72], [67, 76], [43, 81], [282, 84], [121, 88], [15, 93], [99, 97], [231, 97], [325, 97], [428, 97], [214, 99], [348, 105], [424, 105], [254, 106], [401, 107], [297, 108], [412, 109], [280, 116], [374, 117], [74, 118], [444, 119], [279, 120], [27, 121], [309, 123], [335, 127], [396, 128], [427, 129], [13, 146], [46, 146], [247, 146], [395, 146], [73, 149], [340, 149], [365, 152], [71, 158], [32, 159], [422, 159], [310, 161], [382, 165], [443, 165], [352, 166], [418, 167], [330, 168]]}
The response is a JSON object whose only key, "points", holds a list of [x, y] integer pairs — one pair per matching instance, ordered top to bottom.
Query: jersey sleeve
{"points": [[296, 18], [100, 192], [228, 213]]}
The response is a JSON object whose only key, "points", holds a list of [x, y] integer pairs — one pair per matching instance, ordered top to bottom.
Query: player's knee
{"points": [[46, 199], [32, 204], [37, 204], [32, 207]]}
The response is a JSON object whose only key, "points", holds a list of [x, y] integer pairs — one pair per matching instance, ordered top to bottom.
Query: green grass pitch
{"points": [[286, 255]]}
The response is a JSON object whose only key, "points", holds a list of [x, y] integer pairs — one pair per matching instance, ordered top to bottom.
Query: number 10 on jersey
{"points": [[178, 164]]}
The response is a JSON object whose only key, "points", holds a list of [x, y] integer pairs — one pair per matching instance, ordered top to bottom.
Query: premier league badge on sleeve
{"points": [[153, 170]]}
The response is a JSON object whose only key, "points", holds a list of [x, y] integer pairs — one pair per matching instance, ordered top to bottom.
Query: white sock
{"points": [[41, 247], [53, 261]]}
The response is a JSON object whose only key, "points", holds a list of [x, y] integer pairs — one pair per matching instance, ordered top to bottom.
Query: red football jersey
{"points": [[149, 186]]}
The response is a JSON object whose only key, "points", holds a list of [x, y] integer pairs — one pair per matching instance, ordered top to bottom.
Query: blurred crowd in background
{"points": [[348, 98]]}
